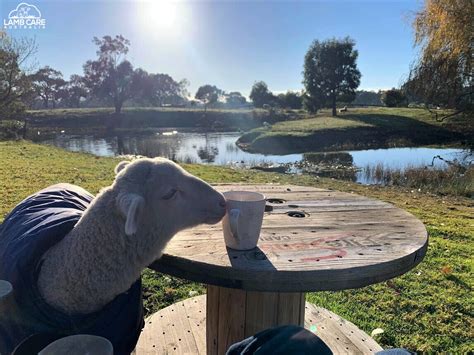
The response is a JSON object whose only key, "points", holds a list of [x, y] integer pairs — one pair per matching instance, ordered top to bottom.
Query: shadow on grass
{"points": [[394, 122], [385, 131], [459, 282]]}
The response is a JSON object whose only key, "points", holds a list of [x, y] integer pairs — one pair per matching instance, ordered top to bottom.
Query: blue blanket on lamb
{"points": [[35, 225]]}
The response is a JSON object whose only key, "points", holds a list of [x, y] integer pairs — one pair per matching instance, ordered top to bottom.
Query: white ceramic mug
{"points": [[243, 220]]}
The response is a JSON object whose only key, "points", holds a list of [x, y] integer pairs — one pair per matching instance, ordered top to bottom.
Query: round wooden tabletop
{"points": [[311, 240]]}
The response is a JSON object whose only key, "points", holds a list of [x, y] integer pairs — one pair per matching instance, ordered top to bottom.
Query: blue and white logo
{"points": [[25, 16]]}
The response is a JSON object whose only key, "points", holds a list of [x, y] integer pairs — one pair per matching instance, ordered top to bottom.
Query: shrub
{"points": [[394, 98], [11, 129], [454, 180]]}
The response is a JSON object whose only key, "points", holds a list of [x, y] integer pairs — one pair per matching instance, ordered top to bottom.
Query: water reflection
{"points": [[148, 145], [219, 148], [209, 151], [208, 154], [329, 158], [339, 165]]}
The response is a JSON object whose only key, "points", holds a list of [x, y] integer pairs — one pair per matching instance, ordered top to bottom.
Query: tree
{"points": [[330, 73], [442, 75], [111, 76], [15, 82], [48, 84], [142, 86], [183, 88], [165, 89], [74, 90], [209, 94], [260, 95], [370, 98], [394, 98], [235, 99], [290, 100]]}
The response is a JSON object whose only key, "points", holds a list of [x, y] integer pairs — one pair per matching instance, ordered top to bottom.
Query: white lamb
{"points": [[123, 230]]}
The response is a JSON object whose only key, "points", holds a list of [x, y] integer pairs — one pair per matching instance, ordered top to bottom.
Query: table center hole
{"points": [[276, 200], [296, 214]]}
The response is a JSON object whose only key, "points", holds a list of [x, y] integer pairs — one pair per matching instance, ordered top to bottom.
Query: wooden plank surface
{"points": [[343, 241], [289, 307], [194, 311], [261, 311], [233, 315], [231, 318], [212, 319], [342, 336], [342, 339]]}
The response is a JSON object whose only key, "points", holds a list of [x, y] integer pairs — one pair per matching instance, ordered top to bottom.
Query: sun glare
{"points": [[164, 12], [159, 15]]}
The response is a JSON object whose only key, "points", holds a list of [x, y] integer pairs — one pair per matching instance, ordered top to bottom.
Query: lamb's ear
{"points": [[120, 166], [130, 205]]}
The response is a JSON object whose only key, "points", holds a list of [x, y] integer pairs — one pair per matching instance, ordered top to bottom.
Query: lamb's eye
{"points": [[169, 194]]}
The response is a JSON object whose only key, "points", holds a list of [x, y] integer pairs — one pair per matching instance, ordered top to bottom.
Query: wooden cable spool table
{"points": [[311, 240]]}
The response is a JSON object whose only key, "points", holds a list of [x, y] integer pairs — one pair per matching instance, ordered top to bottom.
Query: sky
{"points": [[230, 44]]}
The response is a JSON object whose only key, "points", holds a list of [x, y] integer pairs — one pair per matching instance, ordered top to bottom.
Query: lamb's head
{"points": [[158, 196]]}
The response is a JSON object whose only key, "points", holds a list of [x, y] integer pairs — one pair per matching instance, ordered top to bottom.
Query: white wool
{"points": [[125, 228]]}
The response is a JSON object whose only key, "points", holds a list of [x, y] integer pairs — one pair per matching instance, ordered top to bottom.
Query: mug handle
{"points": [[234, 222]]}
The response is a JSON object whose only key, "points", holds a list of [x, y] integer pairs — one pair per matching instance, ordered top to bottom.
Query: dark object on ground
{"points": [[286, 339], [289, 339], [35, 343]]}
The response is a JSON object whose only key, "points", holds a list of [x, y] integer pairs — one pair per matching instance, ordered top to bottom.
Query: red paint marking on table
{"points": [[336, 244], [338, 253]]}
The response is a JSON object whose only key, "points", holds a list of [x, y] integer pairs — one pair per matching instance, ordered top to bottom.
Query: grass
{"points": [[308, 126], [373, 127], [429, 309]]}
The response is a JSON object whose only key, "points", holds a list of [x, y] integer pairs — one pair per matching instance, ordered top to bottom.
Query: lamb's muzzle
{"points": [[206, 200]]}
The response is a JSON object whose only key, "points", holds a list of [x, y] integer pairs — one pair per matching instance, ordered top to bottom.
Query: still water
{"points": [[219, 148]]}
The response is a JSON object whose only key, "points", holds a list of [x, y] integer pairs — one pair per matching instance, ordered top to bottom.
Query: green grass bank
{"points": [[359, 128], [429, 309]]}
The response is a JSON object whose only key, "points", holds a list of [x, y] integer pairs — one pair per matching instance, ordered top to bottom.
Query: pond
{"points": [[219, 148]]}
